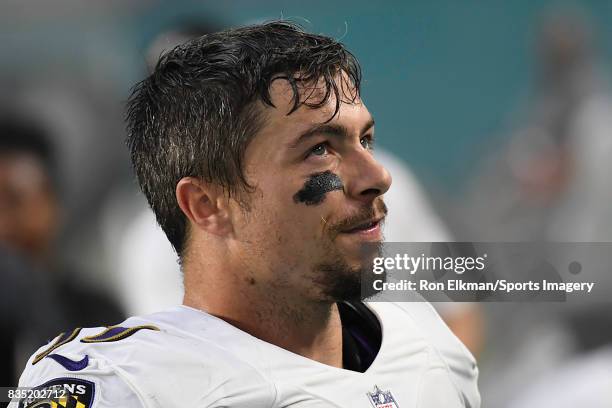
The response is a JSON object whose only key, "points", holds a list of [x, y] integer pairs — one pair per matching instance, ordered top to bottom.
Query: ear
{"points": [[202, 204]]}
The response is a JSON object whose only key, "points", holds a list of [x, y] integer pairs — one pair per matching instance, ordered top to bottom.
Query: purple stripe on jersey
{"points": [[110, 333], [69, 364]]}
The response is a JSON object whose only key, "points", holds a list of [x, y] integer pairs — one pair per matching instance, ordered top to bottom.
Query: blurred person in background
{"points": [[554, 171], [550, 183], [30, 214], [28, 221]]}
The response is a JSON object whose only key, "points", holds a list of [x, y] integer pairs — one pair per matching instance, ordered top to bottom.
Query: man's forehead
{"points": [[283, 92], [282, 95]]}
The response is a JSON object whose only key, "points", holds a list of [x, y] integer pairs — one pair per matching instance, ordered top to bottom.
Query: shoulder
{"points": [[425, 316], [149, 359], [460, 363], [66, 364]]}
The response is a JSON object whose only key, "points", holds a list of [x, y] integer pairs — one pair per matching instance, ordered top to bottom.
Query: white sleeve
{"points": [[96, 386]]}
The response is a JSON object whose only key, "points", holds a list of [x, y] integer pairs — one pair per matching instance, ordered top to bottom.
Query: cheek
{"points": [[281, 221]]}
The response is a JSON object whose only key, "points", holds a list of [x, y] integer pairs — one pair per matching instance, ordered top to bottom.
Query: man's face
{"points": [[317, 199], [28, 211]]}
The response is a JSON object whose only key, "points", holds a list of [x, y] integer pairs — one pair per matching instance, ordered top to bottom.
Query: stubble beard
{"points": [[337, 280]]}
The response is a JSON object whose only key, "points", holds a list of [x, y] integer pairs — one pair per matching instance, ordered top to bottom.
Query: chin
{"points": [[340, 277], [338, 281]]}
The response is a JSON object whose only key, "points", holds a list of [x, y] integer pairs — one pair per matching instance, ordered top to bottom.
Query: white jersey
{"points": [[184, 357]]}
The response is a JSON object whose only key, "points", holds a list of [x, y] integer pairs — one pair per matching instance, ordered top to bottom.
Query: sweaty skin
{"points": [[317, 186]]}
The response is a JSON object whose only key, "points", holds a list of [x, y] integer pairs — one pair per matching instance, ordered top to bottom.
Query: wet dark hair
{"points": [[196, 113]]}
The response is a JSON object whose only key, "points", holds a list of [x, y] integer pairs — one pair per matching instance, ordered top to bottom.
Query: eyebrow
{"points": [[330, 129]]}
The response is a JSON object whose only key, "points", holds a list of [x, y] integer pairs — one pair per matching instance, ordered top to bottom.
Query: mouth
{"points": [[369, 227]]}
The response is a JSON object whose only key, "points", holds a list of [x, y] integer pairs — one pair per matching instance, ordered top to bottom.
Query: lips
{"points": [[363, 226]]}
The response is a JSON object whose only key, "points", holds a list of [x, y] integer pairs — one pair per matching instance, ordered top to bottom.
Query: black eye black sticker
{"points": [[316, 188]]}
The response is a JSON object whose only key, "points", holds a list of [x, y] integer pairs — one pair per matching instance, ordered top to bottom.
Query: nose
{"points": [[365, 178]]}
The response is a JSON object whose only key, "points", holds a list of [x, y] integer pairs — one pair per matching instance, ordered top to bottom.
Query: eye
{"points": [[367, 142], [319, 150]]}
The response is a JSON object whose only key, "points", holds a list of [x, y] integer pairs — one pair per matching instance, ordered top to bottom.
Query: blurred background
{"points": [[498, 114]]}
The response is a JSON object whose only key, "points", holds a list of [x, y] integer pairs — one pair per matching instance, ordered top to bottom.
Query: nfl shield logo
{"points": [[382, 399]]}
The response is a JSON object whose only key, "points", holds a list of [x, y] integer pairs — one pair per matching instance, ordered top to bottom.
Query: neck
{"points": [[310, 329]]}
